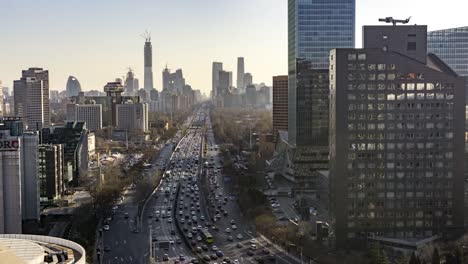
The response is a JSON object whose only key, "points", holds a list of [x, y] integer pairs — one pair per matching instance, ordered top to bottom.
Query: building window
{"points": [[411, 46], [352, 57], [362, 57]]}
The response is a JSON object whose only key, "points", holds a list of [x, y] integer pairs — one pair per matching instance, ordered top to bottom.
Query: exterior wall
{"points": [[314, 28], [450, 45], [280, 104], [91, 114], [396, 146], [51, 169], [30, 176], [10, 196]]}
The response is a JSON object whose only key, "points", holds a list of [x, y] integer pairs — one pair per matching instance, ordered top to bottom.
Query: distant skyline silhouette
{"points": [[96, 41]]}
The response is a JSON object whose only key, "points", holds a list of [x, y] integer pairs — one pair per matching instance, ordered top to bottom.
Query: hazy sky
{"points": [[97, 40]]}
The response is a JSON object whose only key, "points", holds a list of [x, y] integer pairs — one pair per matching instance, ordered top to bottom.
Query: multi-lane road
{"points": [[192, 216]]}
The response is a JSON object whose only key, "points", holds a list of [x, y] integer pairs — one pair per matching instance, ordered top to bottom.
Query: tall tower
{"points": [[148, 63], [217, 67], [240, 74], [31, 96]]}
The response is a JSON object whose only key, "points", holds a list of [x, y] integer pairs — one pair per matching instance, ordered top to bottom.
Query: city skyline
{"points": [[96, 52]]}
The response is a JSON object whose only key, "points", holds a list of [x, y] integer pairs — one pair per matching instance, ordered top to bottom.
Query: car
{"points": [[126, 215], [150, 215], [169, 220], [233, 222], [106, 227], [234, 227], [228, 230], [173, 232], [240, 236], [199, 239], [253, 241], [239, 245], [204, 247], [253, 247], [106, 248], [214, 248], [199, 250], [266, 251], [219, 253], [165, 257], [181, 257], [206, 257], [213, 257]]}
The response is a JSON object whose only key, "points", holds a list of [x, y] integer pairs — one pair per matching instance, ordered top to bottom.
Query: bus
{"points": [[207, 237]]}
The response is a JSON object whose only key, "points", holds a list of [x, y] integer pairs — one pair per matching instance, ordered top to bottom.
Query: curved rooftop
{"points": [[73, 86], [34, 249]]}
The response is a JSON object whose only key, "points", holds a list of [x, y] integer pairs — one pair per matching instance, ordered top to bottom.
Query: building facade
{"points": [[314, 28], [451, 45], [148, 65], [217, 67], [240, 74], [73, 86], [31, 98], [280, 104], [89, 113], [132, 117], [396, 140], [51, 171], [19, 177]]}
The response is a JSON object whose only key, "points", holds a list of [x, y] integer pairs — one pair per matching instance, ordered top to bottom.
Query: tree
{"points": [[459, 255], [435, 256], [414, 259]]}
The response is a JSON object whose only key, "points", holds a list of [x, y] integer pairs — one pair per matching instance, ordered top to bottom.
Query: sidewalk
{"points": [[284, 251]]}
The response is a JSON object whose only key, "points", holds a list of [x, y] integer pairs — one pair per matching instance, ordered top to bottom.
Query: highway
{"points": [[121, 244]]}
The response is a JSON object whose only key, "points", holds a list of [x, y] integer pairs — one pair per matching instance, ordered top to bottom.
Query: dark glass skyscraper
{"points": [[314, 28], [451, 45]]}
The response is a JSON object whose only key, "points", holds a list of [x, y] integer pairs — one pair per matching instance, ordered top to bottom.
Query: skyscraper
{"points": [[314, 28], [450, 45], [148, 64], [217, 67], [240, 74], [248, 79], [130, 83], [73, 86], [31, 96], [280, 104], [396, 140]]}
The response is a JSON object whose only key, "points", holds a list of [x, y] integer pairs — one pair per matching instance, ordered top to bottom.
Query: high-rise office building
{"points": [[314, 28], [450, 45], [148, 65], [217, 67], [240, 74], [248, 79], [223, 83], [73, 86], [130, 88], [31, 96], [280, 104], [90, 113], [132, 117], [396, 140], [51, 171], [19, 176]]}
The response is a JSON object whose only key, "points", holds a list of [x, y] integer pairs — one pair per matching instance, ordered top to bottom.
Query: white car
{"points": [[106, 227], [234, 227]]}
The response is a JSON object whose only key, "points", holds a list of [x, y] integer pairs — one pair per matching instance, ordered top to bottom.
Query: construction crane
{"points": [[394, 21], [146, 35]]}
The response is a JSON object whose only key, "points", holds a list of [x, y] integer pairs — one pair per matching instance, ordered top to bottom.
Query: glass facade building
{"points": [[314, 28], [451, 45]]}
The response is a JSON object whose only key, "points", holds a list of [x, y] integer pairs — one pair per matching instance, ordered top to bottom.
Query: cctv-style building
{"points": [[396, 140]]}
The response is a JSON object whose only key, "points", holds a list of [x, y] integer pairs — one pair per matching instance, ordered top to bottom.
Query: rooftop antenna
{"points": [[394, 21], [146, 35]]}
